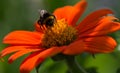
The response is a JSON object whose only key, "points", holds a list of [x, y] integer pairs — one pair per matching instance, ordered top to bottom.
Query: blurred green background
{"points": [[21, 15]]}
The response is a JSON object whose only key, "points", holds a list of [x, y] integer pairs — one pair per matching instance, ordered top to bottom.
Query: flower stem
{"points": [[73, 65], [37, 68]]}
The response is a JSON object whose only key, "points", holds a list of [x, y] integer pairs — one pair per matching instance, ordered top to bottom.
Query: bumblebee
{"points": [[46, 19]]}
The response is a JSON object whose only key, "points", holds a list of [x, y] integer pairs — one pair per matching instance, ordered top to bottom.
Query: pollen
{"points": [[59, 34]]}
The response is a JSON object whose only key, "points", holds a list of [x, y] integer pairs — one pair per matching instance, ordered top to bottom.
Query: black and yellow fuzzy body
{"points": [[46, 19]]}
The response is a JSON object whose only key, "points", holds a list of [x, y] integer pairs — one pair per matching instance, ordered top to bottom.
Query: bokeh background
{"points": [[21, 15]]}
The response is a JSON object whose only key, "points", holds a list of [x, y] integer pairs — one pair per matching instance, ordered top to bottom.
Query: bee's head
{"points": [[44, 14]]}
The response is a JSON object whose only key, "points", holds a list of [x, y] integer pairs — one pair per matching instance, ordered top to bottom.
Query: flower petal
{"points": [[65, 12], [71, 13], [75, 15], [93, 16], [102, 26], [38, 28], [23, 38], [102, 44], [74, 48], [11, 49], [21, 53], [36, 58], [30, 62]]}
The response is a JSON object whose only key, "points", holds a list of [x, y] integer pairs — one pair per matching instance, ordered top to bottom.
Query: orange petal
{"points": [[64, 12], [71, 13], [75, 15], [93, 17], [103, 26], [38, 28], [23, 38], [102, 44], [74, 48], [12, 49], [21, 53], [36, 58], [30, 62]]}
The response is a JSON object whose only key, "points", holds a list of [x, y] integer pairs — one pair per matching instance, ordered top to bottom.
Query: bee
{"points": [[46, 19]]}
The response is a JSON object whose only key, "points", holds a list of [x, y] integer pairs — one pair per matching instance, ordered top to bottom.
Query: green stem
{"points": [[73, 66], [37, 68]]}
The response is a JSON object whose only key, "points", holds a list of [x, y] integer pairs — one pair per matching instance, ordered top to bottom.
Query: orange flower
{"points": [[65, 37]]}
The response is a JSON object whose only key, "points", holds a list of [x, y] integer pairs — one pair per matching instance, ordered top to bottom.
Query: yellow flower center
{"points": [[59, 34]]}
